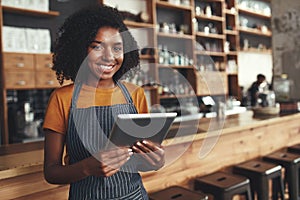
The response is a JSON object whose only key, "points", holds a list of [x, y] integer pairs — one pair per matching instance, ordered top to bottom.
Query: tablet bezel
{"points": [[118, 137]]}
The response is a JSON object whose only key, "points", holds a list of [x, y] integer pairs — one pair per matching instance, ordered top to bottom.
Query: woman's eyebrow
{"points": [[96, 41], [100, 42]]}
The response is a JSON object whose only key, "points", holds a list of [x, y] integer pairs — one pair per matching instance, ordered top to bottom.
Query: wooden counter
{"points": [[242, 138], [237, 139]]}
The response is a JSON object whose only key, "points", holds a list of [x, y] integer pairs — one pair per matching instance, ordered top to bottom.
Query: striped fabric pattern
{"points": [[87, 134]]}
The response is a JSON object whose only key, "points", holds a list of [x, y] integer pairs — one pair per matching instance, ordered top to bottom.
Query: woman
{"points": [[94, 49]]}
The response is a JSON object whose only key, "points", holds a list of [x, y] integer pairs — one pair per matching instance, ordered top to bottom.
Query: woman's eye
{"points": [[98, 47], [118, 49]]}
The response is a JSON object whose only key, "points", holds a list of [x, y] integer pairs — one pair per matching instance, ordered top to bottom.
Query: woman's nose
{"points": [[108, 54]]}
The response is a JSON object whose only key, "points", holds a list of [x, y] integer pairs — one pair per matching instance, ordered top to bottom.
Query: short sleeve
{"points": [[56, 116]]}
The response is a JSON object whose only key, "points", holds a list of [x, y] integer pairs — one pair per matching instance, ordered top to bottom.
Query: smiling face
{"points": [[105, 57]]}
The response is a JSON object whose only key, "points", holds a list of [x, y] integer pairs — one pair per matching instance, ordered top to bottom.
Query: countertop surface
{"points": [[26, 158]]}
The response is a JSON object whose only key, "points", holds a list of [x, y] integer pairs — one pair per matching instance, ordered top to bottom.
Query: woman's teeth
{"points": [[105, 67]]}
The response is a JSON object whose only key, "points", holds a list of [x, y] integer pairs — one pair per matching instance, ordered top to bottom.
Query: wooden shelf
{"points": [[220, 1], [165, 4], [24, 11], [229, 12], [253, 13], [211, 18], [138, 24], [254, 31], [231, 32], [175, 35], [211, 35], [252, 50], [211, 53], [231, 53], [147, 57], [176, 66], [232, 73], [176, 96]]}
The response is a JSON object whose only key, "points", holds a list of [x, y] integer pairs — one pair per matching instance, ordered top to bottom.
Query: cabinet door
{"points": [[18, 61], [43, 62], [46, 79], [19, 80]]}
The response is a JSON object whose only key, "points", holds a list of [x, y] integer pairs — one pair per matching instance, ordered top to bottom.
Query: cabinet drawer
{"points": [[18, 61], [43, 62], [46, 79], [19, 80]]}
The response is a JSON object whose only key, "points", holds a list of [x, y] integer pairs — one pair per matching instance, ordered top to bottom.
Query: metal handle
{"points": [[20, 65], [21, 82], [50, 82]]}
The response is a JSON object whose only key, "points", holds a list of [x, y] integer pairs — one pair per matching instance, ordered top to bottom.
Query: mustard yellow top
{"points": [[57, 113]]}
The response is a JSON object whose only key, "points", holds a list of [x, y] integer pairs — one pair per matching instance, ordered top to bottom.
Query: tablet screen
{"points": [[130, 128]]}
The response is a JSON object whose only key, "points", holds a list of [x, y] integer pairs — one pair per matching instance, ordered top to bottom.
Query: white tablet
{"points": [[130, 128]]}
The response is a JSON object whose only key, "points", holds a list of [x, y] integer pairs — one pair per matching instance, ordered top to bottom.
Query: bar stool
{"points": [[294, 149], [291, 164], [259, 173], [223, 186], [177, 193]]}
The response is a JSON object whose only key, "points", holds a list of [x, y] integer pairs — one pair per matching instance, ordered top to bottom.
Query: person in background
{"points": [[95, 49], [256, 88]]}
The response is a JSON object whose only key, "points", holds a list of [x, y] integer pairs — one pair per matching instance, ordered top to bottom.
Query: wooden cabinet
{"points": [[254, 25], [210, 34], [175, 42], [22, 70], [28, 71], [44, 76]]}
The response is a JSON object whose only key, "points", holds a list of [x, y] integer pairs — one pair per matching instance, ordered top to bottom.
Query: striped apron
{"points": [[87, 134]]}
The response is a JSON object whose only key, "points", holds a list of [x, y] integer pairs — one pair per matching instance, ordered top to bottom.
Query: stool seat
{"points": [[294, 149], [291, 164], [258, 167], [259, 173], [223, 186], [177, 193]]}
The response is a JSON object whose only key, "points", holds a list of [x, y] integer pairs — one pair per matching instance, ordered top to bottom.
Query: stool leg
{"points": [[293, 181], [277, 187], [281, 187], [253, 189], [263, 189], [248, 194], [220, 196], [227, 196]]}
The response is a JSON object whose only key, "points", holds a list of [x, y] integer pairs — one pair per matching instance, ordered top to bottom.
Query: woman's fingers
{"points": [[150, 149], [158, 149], [151, 152], [144, 153], [111, 160], [117, 162]]}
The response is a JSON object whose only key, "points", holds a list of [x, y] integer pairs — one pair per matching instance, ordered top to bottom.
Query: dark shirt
{"points": [[253, 93]]}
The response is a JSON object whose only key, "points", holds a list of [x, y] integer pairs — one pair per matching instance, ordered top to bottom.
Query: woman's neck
{"points": [[105, 84]]}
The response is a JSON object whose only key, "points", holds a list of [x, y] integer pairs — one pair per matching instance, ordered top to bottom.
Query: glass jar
{"points": [[281, 87]]}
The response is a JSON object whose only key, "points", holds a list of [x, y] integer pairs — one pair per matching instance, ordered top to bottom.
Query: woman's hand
{"points": [[151, 156], [108, 162]]}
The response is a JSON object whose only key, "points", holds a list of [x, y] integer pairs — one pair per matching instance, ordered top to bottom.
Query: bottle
{"points": [[208, 11], [160, 54], [166, 55], [281, 87], [271, 98], [221, 109]]}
